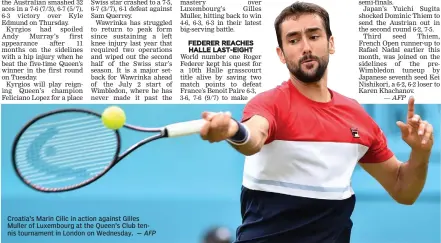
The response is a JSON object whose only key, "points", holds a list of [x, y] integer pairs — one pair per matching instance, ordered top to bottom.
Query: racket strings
{"points": [[65, 150]]}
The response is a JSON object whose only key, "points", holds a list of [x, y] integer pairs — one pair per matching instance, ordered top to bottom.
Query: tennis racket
{"points": [[67, 149]]}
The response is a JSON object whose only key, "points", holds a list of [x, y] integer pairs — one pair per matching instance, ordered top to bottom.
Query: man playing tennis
{"points": [[303, 140]]}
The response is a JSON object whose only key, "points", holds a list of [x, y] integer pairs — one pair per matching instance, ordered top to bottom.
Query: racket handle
{"points": [[185, 128]]}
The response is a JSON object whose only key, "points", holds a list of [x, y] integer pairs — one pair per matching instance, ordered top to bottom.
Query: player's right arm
{"points": [[258, 128], [247, 136], [250, 137]]}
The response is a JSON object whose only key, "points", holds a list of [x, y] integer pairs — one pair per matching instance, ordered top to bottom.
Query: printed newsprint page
{"points": [[90, 87]]}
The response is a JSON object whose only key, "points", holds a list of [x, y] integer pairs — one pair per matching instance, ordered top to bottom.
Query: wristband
{"points": [[242, 135]]}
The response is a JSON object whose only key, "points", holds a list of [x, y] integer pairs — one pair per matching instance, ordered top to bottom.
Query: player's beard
{"points": [[310, 76]]}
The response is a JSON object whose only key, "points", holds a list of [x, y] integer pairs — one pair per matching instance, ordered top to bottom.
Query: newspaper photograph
{"points": [[209, 121]]}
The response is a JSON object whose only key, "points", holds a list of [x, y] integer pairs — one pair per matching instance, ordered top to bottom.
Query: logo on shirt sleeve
{"points": [[354, 132]]}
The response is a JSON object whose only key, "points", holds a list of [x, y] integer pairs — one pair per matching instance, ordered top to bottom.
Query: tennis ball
{"points": [[113, 117]]}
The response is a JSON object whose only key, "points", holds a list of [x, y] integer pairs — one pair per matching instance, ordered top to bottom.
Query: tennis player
{"points": [[303, 140]]}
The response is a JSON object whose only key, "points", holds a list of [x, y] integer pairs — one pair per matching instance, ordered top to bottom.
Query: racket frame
{"points": [[44, 115], [163, 133]]}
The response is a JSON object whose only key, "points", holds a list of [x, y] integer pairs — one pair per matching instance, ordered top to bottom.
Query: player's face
{"points": [[306, 48]]}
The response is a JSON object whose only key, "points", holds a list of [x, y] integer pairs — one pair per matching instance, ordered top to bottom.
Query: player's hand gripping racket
{"points": [[67, 149]]}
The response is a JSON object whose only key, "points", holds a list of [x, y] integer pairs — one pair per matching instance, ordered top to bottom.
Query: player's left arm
{"points": [[404, 181]]}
